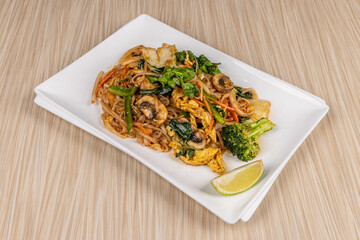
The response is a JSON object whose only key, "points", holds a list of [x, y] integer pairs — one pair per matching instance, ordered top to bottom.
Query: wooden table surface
{"points": [[59, 182]]}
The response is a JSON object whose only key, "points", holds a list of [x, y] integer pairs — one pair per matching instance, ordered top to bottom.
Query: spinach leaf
{"points": [[152, 79], [190, 90], [183, 130], [182, 152], [190, 153]]}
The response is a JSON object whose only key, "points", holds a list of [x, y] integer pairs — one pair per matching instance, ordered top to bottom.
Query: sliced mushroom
{"points": [[222, 83], [153, 109], [197, 140]]}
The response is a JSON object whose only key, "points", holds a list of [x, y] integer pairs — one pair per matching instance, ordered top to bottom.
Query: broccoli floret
{"points": [[181, 56], [202, 60], [206, 66], [213, 69], [240, 139]]}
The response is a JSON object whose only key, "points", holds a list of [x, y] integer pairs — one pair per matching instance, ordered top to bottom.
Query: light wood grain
{"points": [[59, 182]]}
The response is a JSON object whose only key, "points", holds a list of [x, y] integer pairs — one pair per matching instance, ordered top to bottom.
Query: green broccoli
{"points": [[181, 56], [206, 66], [213, 69], [240, 139]]}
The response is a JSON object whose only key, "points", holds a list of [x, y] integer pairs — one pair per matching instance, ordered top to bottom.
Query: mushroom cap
{"points": [[222, 83]]}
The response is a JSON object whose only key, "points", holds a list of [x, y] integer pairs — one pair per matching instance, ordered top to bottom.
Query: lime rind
{"points": [[228, 177]]}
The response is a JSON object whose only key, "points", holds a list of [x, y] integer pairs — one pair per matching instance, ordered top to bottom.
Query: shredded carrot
{"points": [[189, 64], [123, 72], [105, 79], [225, 101], [198, 102], [207, 106], [224, 106], [235, 116], [229, 119], [210, 127], [145, 130]]}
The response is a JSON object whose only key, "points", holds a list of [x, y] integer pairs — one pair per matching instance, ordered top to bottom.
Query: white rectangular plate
{"points": [[294, 111]]}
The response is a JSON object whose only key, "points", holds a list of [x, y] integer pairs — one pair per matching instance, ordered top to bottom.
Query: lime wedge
{"points": [[240, 179]]}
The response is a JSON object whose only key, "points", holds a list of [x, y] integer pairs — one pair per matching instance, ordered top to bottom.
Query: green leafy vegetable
{"points": [[181, 56], [141, 64], [206, 66], [154, 69], [178, 77], [152, 79], [190, 90], [157, 91], [247, 95], [219, 109], [185, 114], [216, 114], [243, 119], [183, 130], [182, 152], [190, 153]]}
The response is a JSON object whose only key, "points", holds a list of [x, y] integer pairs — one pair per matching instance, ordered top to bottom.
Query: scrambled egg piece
{"points": [[161, 57], [210, 156], [201, 157], [217, 164]]}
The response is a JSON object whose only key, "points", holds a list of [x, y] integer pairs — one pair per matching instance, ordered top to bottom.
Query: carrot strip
{"points": [[189, 64], [123, 72], [105, 80], [226, 101], [198, 102], [207, 106], [224, 106], [234, 115], [229, 119], [210, 127], [145, 130]]}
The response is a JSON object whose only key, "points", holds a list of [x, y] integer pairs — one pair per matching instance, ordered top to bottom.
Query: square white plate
{"points": [[294, 111]]}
